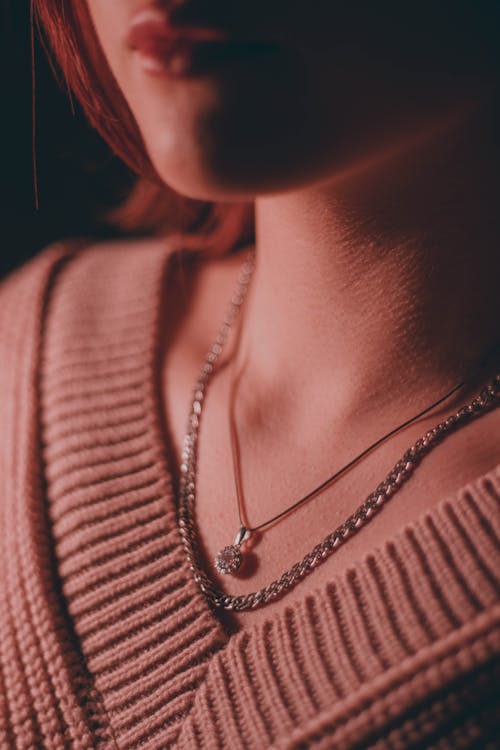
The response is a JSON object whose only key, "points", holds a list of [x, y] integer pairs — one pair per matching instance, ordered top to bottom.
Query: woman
{"points": [[365, 140]]}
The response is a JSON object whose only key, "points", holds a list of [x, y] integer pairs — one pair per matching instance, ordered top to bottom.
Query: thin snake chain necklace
{"points": [[230, 558]]}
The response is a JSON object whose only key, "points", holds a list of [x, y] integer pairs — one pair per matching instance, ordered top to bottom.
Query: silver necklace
{"points": [[230, 558]]}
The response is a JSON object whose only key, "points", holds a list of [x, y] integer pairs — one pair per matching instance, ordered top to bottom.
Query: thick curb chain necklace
{"points": [[229, 559]]}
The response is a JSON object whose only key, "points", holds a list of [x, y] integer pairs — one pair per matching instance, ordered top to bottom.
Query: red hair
{"points": [[80, 65]]}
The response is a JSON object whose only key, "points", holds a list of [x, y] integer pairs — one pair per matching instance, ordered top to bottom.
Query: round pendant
{"points": [[228, 560]]}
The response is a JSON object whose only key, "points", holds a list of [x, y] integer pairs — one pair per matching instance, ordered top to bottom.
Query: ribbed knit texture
{"points": [[105, 639]]}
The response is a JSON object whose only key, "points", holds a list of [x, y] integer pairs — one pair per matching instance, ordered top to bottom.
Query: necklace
{"points": [[230, 558]]}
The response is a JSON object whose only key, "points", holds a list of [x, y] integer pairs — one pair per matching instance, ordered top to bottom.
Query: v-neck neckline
{"points": [[172, 470], [139, 614]]}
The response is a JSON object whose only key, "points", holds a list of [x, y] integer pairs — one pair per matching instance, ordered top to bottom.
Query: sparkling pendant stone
{"points": [[228, 560]]}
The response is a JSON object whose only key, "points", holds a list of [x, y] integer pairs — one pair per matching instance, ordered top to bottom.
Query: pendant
{"points": [[230, 558]]}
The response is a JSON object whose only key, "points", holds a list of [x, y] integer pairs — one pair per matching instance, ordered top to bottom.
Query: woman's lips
{"points": [[162, 48]]}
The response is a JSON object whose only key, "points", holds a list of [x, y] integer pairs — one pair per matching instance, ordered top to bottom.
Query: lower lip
{"points": [[180, 58]]}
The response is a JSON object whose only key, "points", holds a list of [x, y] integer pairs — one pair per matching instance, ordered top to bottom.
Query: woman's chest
{"points": [[276, 476]]}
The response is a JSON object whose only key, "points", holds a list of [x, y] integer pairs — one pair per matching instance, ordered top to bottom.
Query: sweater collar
{"points": [[145, 629]]}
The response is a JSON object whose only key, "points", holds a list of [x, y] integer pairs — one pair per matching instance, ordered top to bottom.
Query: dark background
{"points": [[78, 177]]}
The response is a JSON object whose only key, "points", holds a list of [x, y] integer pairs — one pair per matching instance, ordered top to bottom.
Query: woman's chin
{"points": [[224, 176], [226, 188]]}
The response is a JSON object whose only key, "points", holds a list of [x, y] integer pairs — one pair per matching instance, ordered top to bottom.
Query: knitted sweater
{"points": [[106, 640]]}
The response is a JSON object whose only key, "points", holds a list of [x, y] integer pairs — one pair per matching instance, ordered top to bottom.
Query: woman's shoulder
{"points": [[79, 247], [33, 271], [37, 274], [97, 274], [72, 282]]}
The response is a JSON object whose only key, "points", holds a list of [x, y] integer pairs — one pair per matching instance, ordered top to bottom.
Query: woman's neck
{"points": [[380, 285]]}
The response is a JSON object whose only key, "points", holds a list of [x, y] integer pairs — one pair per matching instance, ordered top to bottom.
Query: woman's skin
{"points": [[369, 147]]}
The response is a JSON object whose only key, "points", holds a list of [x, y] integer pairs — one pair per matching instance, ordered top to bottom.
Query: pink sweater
{"points": [[105, 639]]}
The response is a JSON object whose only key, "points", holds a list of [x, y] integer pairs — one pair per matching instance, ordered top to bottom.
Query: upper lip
{"points": [[189, 19], [159, 23]]}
